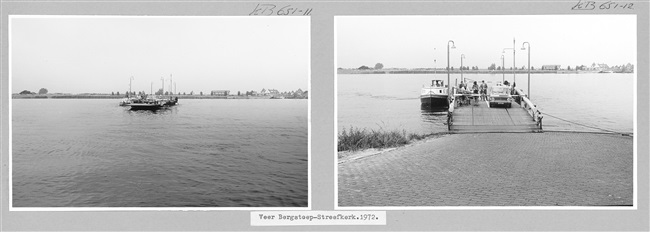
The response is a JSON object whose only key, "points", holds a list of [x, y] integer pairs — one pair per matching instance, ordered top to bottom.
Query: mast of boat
{"points": [[170, 83], [163, 85]]}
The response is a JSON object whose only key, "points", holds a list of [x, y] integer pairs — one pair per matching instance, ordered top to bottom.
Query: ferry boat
{"points": [[435, 95], [152, 103]]}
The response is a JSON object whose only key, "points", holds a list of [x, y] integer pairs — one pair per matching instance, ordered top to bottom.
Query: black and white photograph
{"points": [[486, 111], [117, 112]]}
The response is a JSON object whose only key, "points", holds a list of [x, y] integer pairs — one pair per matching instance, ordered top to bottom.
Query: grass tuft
{"points": [[354, 139]]}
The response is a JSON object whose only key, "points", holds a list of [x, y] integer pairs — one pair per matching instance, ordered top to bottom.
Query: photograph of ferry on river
{"points": [[159, 111], [482, 111]]}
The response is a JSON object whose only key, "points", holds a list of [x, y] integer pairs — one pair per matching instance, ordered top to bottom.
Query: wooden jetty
{"points": [[523, 116]]}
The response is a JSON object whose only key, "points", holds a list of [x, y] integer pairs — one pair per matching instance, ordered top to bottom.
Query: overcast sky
{"points": [[416, 41], [100, 54]]}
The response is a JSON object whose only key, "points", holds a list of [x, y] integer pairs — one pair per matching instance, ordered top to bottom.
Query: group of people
{"points": [[475, 89]]}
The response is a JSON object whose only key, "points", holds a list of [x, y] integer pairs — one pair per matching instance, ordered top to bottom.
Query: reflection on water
{"points": [[436, 116]]}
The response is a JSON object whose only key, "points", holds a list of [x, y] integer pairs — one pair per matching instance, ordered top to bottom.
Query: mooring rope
{"points": [[593, 127]]}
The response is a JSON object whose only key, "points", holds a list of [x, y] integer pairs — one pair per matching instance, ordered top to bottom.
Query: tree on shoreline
{"points": [[42, 91]]}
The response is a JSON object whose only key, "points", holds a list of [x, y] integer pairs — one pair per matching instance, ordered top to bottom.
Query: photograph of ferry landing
{"points": [[166, 112], [453, 125]]}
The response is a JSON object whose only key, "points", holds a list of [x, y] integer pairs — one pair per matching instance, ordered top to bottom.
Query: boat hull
{"points": [[434, 101], [145, 106]]}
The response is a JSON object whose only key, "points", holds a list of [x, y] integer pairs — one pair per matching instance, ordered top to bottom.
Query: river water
{"points": [[598, 101], [201, 153]]}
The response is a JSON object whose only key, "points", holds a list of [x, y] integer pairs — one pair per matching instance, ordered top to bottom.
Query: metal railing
{"points": [[452, 106], [531, 108]]}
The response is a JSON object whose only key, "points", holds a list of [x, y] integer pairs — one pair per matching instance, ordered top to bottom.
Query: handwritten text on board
{"points": [[609, 5], [272, 9]]}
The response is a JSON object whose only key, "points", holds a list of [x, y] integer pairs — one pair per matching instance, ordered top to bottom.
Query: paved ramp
{"points": [[488, 169]]}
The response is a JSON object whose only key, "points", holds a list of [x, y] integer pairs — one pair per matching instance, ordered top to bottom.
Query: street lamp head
{"points": [[453, 45], [523, 48]]}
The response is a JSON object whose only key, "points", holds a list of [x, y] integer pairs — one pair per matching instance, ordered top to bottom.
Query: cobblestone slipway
{"points": [[494, 169]]}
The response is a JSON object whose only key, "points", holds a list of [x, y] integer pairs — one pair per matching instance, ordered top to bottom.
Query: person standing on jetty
{"points": [[462, 87], [483, 89], [475, 91]]}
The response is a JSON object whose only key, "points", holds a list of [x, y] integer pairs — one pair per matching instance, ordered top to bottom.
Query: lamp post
{"points": [[524, 48], [462, 56], [514, 66], [449, 70], [503, 71], [151, 91], [129, 93]]}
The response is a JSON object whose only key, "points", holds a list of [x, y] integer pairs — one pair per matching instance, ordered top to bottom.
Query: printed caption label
{"points": [[308, 218]]}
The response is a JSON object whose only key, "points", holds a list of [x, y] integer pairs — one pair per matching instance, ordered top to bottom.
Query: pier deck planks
{"points": [[481, 118]]}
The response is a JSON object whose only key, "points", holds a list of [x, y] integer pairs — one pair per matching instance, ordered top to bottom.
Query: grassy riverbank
{"points": [[354, 139]]}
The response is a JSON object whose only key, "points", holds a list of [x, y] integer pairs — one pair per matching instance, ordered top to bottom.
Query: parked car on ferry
{"points": [[500, 96]]}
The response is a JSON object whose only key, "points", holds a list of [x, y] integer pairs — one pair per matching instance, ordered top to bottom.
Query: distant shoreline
{"points": [[443, 71], [109, 96]]}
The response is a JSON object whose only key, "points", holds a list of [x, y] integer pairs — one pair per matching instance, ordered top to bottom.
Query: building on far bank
{"points": [[551, 67], [598, 67], [220, 92]]}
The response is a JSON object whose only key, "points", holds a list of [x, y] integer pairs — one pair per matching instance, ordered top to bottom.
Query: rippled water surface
{"points": [[391, 101], [201, 153]]}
